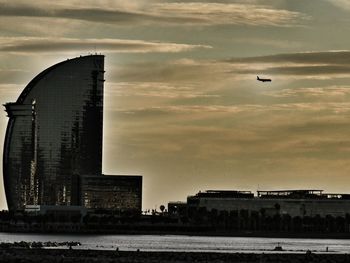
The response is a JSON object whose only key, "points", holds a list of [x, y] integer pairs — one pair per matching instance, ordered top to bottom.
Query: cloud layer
{"points": [[343, 4], [190, 13], [49, 45], [308, 64], [182, 103]]}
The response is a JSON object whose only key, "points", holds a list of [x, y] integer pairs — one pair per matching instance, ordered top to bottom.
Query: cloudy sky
{"points": [[182, 104]]}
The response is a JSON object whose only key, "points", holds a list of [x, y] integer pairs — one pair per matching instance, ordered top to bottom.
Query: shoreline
{"points": [[191, 233], [34, 245], [82, 255]]}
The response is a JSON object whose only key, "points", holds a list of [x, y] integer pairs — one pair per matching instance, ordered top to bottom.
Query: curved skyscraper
{"points": [[54, 134]]}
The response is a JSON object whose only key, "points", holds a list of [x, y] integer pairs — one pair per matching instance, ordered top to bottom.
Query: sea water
{"points": [[189, 243]]}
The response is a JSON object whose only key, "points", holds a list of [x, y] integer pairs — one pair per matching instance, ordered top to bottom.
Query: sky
{"points": [[182, 106]]}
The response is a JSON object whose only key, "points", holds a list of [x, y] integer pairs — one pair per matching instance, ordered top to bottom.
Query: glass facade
{"points": [[54, 134], [122, 193]]}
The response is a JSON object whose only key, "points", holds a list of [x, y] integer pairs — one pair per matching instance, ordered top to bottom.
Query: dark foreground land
{"points": [[75, 255]]}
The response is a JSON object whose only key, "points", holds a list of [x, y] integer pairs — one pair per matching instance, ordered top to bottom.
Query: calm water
{"points": [[188, 243]]}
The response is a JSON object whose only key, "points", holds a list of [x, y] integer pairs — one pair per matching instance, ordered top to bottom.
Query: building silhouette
{"points": [[54, 135], [111, 192], [296, 203]]}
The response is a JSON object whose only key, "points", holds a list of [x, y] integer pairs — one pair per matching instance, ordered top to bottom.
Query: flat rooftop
{"points": [[268, 194]]}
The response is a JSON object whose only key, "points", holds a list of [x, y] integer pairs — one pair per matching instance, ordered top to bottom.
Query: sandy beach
{"points": [[77, 255]]}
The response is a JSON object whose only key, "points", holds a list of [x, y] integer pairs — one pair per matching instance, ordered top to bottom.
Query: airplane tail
{"points": [[257, 77]]}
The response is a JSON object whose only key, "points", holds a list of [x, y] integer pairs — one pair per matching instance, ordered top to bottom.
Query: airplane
{"points": [[263, 80]]}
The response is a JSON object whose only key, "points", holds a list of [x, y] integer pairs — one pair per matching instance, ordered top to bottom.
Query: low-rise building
{"points": [[122, 193], [292, 202]]}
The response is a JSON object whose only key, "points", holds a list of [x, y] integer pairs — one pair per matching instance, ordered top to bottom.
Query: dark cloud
{"points": [[163, 13], [86, 14], [42, 45], [327, 57], [302, 64], [301, 70], [166, 71], [157, 90]]}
